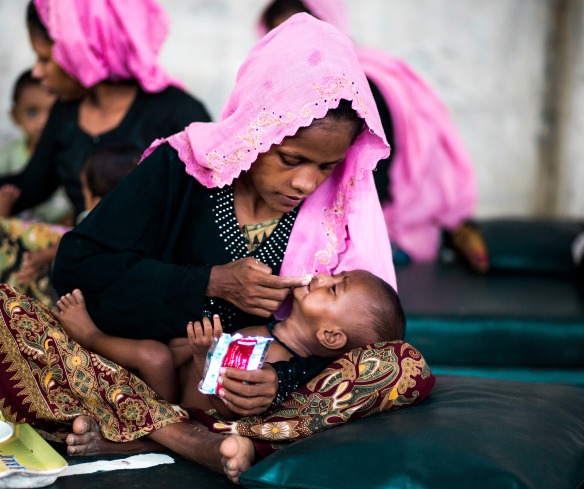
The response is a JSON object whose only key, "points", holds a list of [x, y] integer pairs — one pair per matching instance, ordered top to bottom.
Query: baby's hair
{"points": [[280, 7], [34, 22], [24, 80], [106, 166], [386, 314]]}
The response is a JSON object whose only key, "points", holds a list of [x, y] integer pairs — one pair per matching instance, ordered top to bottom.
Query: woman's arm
{"points": [[122, 256]]}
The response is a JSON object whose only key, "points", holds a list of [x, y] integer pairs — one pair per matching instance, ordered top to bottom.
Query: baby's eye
{"points": [[334, 289]]}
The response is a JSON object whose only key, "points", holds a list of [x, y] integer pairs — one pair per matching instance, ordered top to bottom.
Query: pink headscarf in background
{"points": [[115, 40], [294, 75], [433, 183]]}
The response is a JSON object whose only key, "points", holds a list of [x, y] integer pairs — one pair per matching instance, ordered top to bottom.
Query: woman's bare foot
{"points": [[8, 196], [73, 316], [87, 440], [237, 456]]}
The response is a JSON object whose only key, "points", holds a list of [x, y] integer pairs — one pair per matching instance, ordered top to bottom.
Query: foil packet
{"points": [[235, 351]]}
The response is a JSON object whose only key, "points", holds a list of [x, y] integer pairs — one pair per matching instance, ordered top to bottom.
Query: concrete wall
{"points": [[486, 59]]}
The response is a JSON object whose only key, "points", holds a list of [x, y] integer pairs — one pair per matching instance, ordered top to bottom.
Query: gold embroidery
{"points": [[255, 234]]}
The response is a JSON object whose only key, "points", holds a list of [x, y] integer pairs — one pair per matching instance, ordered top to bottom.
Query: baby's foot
{"points": [[73, 316]]}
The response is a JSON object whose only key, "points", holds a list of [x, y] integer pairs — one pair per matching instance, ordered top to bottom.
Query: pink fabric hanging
{"points": [[115, 40], [294, 75], [433, 182]]}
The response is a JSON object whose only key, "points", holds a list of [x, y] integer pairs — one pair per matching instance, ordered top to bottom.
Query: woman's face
{"points": [[52, 76], [290, 172]]}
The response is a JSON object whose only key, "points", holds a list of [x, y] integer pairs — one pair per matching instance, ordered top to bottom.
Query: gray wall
{"points": [[489, 60]]}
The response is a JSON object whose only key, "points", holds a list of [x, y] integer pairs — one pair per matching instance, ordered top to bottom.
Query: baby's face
{"points": [[32, 111], [341, 299]]}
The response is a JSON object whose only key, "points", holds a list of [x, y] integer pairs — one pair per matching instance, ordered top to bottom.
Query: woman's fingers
{"points": [[249, 284], [249, 392]]}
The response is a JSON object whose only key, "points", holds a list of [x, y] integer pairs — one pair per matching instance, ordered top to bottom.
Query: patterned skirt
{"points": [[47, 379]]}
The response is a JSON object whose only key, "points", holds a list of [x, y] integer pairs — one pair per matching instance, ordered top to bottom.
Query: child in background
{"points": [[31, 105], [100, 173], [330, 316]]}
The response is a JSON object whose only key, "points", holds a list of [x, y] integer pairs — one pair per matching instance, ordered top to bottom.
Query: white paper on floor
{"points": [[135, 462]]}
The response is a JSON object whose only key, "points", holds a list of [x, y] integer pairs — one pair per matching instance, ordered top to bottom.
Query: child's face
{"points": [[31, 111], [341, 300]]}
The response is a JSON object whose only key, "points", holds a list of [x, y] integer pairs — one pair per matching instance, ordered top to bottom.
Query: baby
{"points": [[330, 316]]}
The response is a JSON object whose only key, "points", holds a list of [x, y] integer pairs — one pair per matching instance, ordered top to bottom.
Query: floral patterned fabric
{"points": [[18, 237], [47, 380], [365, 381]]}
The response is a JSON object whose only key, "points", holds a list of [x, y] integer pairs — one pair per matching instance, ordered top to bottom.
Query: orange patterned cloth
{"points": [[47, 380], [365, 381]]}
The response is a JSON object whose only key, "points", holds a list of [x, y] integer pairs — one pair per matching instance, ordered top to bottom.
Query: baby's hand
{"points": [[202, 335]]}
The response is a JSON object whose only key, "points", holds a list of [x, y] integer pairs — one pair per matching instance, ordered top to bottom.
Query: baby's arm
{"points": [[201, 336]]}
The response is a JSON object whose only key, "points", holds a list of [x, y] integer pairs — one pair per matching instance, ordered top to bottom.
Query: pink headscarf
{"points": [[115, 40], [294, 75], [432, 179]]}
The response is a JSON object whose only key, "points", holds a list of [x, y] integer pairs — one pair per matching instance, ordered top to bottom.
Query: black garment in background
{"points": [[64, 145], [381, 173]]}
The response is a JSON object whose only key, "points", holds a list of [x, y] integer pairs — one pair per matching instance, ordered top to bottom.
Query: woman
{"points": [[100, 59], [295, 149], [427, 186], [225, 218]]}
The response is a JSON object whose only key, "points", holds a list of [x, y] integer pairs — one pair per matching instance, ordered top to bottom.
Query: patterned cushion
{"points": [[365, 381]]}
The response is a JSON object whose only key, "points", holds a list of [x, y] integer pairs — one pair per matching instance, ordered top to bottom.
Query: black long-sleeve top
{"points": [[64, 146], [143, 258]]}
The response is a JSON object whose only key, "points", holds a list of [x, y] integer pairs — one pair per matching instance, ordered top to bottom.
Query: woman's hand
{"points": [[33, 262], [249, 284], [248, 392]]}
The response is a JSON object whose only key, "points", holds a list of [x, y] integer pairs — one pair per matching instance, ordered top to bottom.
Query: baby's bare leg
{"points": [[151, 359], [189, 380]]}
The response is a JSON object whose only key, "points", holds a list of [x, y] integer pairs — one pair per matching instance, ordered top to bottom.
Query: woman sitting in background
{"points": [[100, 59]]}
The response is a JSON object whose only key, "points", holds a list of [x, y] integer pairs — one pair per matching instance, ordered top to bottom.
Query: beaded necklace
{"points": [[270, 251]]}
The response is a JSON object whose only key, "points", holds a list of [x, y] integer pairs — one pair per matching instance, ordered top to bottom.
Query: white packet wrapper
{"points": [[235, 351]]}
